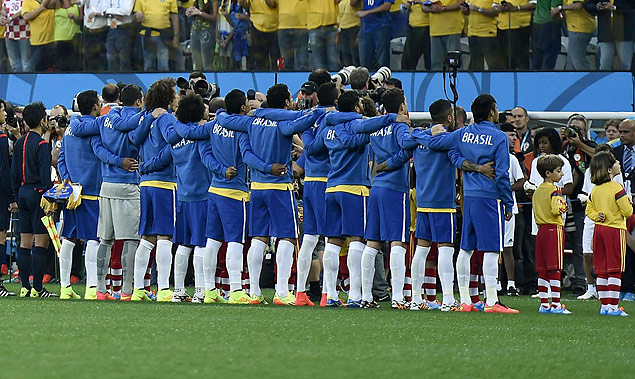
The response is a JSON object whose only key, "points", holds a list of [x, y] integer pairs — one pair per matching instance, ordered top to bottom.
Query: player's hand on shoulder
{"points": [[157, 112], [403, 119], [437, 129]]}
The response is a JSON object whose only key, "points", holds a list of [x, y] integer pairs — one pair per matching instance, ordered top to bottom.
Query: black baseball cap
{"points": [[309, 87]]}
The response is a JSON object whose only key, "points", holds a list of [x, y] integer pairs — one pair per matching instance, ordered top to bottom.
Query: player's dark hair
{"points": [[197, 74], [319, 76], [359, 78], [394, 81], [110, 93], [130, 94], [160, 94], [327, 94], [277, 96], [392, 99], [234, 100], [86, 101], [348, 101], [215, 104], [481, 106], [369, 107], [191, 108], [439, 111], [34, 113], [460, 113], [552, 135], [604, 147], [548, 162], [600, 165]]}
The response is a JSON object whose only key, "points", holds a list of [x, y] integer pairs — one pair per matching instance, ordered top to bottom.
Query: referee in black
{"points": [[31, 177]]}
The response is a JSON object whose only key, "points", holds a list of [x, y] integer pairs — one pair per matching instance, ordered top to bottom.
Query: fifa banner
{"points": [[536, 91]]}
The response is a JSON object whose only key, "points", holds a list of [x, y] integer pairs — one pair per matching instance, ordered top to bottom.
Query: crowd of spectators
{"points": [[168, 35]]}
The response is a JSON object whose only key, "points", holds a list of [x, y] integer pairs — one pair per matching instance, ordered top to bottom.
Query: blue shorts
{"points": [[314, 208], [157, 212], [273, 213], [345, 215], [388, 215], [226, 218], [81, 223], [190, 223], [483, 224], [436, 227]]}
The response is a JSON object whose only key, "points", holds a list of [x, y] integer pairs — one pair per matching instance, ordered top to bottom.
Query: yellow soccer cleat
{"points": [[25, 292], [67, 293], [90, 293], [139, 294], [164, 296], [212, 296], [239, 297], [255, 300], [287, 300]]}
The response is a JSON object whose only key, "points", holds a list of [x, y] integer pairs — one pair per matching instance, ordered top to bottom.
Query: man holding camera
{"points": [[374, 38]]}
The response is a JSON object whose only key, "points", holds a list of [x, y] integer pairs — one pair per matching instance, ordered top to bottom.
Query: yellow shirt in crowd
{"points": [[187, 4], [397, 5], [156, 13], [322, 13], [292, 14], [264, 18], [346, 18], [418, 18], [514, 20], [579, 20], [446, 23], [479, 24], [43, 26], [610, 199], [548, 204]]}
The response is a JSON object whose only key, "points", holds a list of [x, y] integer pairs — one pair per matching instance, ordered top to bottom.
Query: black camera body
{"points": [[453, 60], [304, 103], [61, 121], [570, 132]]}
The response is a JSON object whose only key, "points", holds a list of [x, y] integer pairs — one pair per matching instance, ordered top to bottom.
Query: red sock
{"points": [[116, 271], [554, 282], [430, 283], [614, 287], [543, 288]]}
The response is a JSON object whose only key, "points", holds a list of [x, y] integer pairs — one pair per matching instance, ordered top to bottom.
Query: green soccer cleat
{"points": [[24, 292], [67, 293], [90, 293], [139, 294], [164, 296], [212, 296], [239, 297], [258, 300], [287, 300]]}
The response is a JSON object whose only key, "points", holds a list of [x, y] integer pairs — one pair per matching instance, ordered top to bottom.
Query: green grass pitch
{"points": [[52, 338]]}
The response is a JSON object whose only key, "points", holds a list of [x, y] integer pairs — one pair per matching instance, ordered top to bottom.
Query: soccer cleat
{"points": [[512, 291], [5, 292], [25, 292], [67, 293], [90, 293], [43, 294], [139, 294], [116, 295], [152, 295], [589, 295], [105, 296], [164, 296], [180, 296], [199, 296], [212, 296], [628, 296], [125, 297], [239, 297], [382, 298], [255, 300], [287, 300], [302, 300], [323, 300], [330, 303], [353, 303], [370, 304], [395, 305], [433, 305], [418, 306], [454, 307], [467, 307], [478, 307], [499, 308], [544, 309], [561, 310], [604, 311], [617, 312]]}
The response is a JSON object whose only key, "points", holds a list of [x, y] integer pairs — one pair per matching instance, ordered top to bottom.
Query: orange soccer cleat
{"points": [[105, 296], [301, 299], [323, 300], [500, 308]]}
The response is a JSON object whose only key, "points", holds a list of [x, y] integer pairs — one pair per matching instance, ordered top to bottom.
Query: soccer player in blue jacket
{"points": [[226, 153], [80, 161], [31, 177], [347, 190], [487, 204], [272, 209]]}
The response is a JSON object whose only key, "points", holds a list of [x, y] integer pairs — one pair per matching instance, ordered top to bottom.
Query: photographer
{"points": [[308, 97], [58, 121]]}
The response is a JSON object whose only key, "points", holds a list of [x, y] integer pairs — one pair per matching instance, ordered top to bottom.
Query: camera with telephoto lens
{"points": [[453, 60], [381, 75], [343, 76], [200, 87], [304, 103], [61, 121], [570, 132]]}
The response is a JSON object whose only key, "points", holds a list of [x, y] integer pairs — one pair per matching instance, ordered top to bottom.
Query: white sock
{"points": [[309, 242], [142, 256], [210, 260], [66, 261], [103, 261], [181, 261], [284, 261], [90, 262], [164, 263], [234, 263], [354, 263], [127, 265], [254, 265], [199, 267], [331, 267], [397, 271], [368, 272], [417, 272], [446, 273], [490, 273], [463, 275], [510, 284], [590, 287]]}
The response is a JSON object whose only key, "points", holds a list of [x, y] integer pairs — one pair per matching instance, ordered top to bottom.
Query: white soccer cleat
{"points": [[590, 294]]}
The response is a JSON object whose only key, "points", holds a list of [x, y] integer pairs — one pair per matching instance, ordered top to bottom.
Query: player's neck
{"points": [[37, 130], [549, 180]]}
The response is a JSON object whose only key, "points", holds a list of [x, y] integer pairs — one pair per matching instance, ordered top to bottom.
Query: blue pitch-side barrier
{"points": [[549, 91]]}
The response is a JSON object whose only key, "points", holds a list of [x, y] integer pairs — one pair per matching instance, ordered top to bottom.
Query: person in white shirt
{"points": [[118, 41]]}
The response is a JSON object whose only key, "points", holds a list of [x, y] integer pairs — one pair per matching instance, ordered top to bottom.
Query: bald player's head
{"points": [[110, 93], [627, 132]]}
